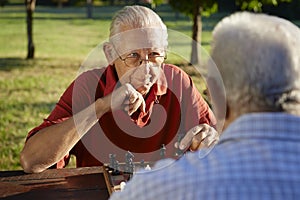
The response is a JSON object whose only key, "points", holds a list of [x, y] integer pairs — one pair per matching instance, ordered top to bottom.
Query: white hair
{"points": [[134, 17], [135, 27], [258, 56]]}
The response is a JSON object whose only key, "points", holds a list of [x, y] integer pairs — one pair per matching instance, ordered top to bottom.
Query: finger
{"points": [[133, 97], [130, 101], [133, 101], [137, 102], [135, 106], [143, 106], [187, 139], [210, 139], [205, 143], [213, 143], [195, 144], [176, 145]]}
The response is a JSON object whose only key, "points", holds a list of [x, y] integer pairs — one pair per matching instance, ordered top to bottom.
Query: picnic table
{"points": [[72, 184]]}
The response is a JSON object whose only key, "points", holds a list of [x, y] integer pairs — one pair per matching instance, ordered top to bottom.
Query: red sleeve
{"points": [[80, 94], [195, 105], [195, 110], [61, 112], [205, 114]]}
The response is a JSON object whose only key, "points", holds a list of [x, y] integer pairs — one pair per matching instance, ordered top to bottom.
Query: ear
{"points": [[109, 52], [227, 115]]}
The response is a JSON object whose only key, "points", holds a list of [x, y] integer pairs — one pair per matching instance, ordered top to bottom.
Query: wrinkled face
{"points": [[138, 54], [138, 58], [141, 67]]}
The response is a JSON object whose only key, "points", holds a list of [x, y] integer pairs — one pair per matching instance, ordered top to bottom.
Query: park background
{"points": [[64, 36]]}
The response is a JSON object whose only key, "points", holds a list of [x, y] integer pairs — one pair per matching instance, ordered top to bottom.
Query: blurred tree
{"points": [[3, 2], [60, 3], [154, 3], [256, 5], [30, 6], [89, 8], [195, 9]]}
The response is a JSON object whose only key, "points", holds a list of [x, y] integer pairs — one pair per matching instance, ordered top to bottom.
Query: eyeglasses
{"points": [[135, 60]]}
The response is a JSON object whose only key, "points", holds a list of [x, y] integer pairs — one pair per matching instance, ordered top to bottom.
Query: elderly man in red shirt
{"points": [[137, 103]]}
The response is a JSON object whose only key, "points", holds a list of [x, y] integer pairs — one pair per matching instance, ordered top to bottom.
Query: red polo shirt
{"points": [[170, 112]]}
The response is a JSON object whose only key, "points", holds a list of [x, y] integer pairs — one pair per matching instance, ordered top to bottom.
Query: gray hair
{"points": [[133, 17], [258, 56]]}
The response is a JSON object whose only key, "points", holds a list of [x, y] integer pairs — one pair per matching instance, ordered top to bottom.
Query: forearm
{"points": [[51, 144]]}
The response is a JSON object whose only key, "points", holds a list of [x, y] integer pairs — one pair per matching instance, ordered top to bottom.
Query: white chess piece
{"points": [[148, 167], [122, 185]]}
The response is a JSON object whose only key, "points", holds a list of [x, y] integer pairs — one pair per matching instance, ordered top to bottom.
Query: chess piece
{"points": [[163, 151], [179, 152], [112, 160], [113, 164], [142, 164], [129, 166], [116, 168], [148, 168], [122, 185]]}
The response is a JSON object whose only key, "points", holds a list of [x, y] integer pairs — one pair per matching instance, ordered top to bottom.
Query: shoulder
{"points": [[173, 68], [96, 73], [175, 74], [92, 76], [88, 82]]}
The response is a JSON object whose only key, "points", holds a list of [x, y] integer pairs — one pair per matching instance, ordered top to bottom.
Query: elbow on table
{"points": [[27, 166]]}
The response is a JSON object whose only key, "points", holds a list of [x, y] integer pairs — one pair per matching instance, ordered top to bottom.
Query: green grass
{"points": [[63, 38]]}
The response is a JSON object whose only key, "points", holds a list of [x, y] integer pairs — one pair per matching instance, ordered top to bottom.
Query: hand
{"points": [[143, 77], [128, 98], [198, 137]]}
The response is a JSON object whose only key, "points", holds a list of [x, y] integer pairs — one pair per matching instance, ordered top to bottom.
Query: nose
{"points": [[144, 59], [146, 67]]}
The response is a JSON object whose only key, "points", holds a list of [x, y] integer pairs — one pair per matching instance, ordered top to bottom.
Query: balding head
{"points": [[135, 17], [134, 28]]}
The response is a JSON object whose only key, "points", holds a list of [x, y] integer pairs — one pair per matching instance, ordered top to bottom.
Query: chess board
{"points": [[118, 174], [115, 178]]}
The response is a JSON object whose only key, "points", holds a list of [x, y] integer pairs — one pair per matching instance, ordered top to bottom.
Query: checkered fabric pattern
{"points": [[257, 157]]}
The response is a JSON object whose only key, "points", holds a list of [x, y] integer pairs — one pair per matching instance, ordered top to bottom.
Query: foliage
{"points": [[3, 2], [155, 3], [256, 5], [186, 6], [195, 10]]}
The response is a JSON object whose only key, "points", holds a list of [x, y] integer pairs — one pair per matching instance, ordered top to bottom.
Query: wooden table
{"points": [[55, 184]]}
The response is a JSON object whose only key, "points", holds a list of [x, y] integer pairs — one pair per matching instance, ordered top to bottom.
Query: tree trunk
{"points": [[60, 3], [30, 6], [89, 9], [197, 29]]}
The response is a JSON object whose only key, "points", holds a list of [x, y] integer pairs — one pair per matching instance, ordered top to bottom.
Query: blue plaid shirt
{"points": [[257, 157]]}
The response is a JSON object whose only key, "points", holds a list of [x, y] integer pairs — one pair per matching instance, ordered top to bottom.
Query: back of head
{"points": [[134, 17], [258, 57]]}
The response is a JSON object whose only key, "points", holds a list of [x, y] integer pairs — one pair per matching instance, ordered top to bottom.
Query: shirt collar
{"points": [[264, 125]]}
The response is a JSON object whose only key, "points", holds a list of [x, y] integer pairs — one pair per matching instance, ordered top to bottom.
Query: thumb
{"points": [[187, 139]]}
